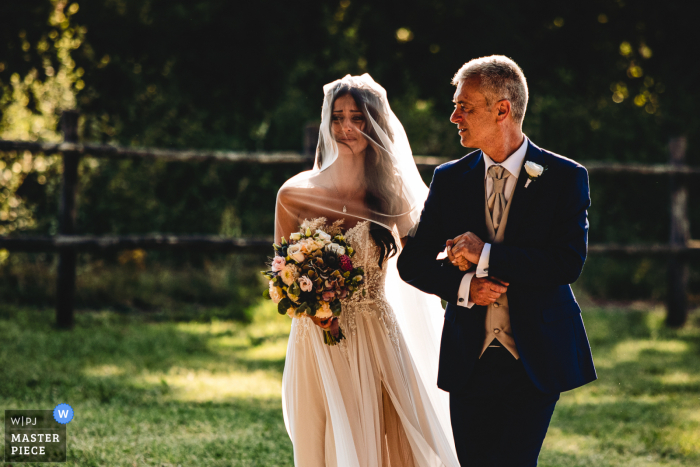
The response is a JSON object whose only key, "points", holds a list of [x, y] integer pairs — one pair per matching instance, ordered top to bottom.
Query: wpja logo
{"points": [[37, 435]]}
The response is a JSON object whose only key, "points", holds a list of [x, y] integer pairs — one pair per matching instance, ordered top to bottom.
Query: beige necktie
{"points": [[497, 200]]}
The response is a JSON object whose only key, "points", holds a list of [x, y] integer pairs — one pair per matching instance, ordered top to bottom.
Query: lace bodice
{"points": [[367, 258], [374, 301]]}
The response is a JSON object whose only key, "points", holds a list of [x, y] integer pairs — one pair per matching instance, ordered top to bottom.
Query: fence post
{"points": [[65, 284], [677, 299]]}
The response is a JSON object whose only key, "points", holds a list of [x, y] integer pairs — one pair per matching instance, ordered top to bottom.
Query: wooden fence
{"points": [[67, 243]]}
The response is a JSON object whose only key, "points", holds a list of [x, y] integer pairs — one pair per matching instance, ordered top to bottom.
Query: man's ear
{"points": [[503, 109]]}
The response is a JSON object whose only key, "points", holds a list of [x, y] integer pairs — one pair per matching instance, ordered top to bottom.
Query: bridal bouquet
{"points": [[311, 273]]}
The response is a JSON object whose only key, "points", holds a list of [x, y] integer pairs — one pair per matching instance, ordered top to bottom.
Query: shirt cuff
{"points": [[482, 269], [463, 293]]}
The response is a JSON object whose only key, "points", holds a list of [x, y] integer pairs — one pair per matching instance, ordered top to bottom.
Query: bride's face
{"points": [[347, 124]]}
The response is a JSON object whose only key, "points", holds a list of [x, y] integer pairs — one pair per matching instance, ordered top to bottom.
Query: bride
{"points": [[371, 400]]}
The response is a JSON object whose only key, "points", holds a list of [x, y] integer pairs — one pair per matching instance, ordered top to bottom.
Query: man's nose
{"points": [[455, 117]]}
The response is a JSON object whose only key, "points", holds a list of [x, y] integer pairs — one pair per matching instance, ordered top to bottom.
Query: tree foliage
{"points": [[609, 80]]}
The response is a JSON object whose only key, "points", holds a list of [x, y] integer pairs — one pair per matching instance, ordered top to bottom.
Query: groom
{"points": [[512, 219]]}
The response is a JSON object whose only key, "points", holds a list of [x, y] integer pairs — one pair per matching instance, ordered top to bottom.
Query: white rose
{"points": [[533, 170], [295, 236], [324, 236], [309, 244], [335, 248], [294, 251]]}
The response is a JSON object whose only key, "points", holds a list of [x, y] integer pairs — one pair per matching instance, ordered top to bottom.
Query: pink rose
{"points": [[278, 263], [305, 284], [328, 295]]}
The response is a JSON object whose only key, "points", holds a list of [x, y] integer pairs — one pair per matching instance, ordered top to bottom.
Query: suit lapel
{"points": [[522, 196]]}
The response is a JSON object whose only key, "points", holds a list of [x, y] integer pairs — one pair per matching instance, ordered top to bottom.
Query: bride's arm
{"points": [[286, 217], [286, 223]]}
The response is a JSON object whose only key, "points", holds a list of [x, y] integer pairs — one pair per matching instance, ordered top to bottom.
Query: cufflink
{"points": [[460, 300]]}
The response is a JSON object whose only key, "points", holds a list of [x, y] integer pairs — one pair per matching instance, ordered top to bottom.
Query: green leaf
{"points": [[266, 294], [283, 306], [336, 307]]}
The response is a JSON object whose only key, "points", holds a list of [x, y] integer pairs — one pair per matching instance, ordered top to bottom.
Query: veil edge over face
{"points": [[393, 190]]}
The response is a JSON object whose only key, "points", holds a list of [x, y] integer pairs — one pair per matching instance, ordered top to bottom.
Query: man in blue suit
{"points": [[512, 219]]}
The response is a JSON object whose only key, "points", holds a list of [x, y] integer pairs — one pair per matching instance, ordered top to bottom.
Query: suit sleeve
{"points": [[560, 262], [417, 264]]}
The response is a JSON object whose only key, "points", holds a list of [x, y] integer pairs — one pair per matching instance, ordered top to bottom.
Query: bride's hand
{"points": [[322, 323]]}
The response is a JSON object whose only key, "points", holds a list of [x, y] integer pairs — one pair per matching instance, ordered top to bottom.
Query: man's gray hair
{"points": [[500, 78]]}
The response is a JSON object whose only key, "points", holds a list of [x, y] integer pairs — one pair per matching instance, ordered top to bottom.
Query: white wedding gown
{"points": [[369, 401]]}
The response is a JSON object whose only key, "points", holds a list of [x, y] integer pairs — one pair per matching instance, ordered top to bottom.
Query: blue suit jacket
{"points": [[543, 251]]}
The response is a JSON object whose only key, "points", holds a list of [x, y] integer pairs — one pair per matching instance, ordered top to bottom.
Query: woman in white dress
{"points": [[371, 400]]}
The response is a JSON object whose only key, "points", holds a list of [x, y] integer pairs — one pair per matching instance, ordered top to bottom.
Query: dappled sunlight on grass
{"points": [[630, 351], [104, 371], [679, 377], [202, 386], [145, 393], [208, 394], [644, 408], [569, 444]]}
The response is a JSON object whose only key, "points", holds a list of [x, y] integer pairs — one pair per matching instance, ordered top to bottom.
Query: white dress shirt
{"points": [[512, 164]]}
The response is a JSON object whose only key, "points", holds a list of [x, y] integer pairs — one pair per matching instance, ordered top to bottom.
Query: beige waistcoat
{"points": [[497, 322]]}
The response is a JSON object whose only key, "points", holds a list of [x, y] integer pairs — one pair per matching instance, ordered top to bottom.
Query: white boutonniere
{"points": [[533, 171]]}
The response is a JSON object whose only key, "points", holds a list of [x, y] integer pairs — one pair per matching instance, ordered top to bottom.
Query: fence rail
{"points": [[191, 155], [145, 242], [31, 243], [67, 243]]}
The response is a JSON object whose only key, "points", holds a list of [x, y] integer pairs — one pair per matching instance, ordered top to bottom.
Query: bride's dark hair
{"points": [[381, 179]]}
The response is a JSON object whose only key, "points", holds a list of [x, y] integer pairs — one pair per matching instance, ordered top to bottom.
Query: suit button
{"points": [[460, 300], [496, 305], [496, 331]]}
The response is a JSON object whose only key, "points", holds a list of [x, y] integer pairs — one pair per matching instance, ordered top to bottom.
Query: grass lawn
{"points": [[192, 394]]}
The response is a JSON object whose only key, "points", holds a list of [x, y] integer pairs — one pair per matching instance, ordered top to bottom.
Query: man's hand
{"points": [[469, 246], [461, 262], [486, 290]]}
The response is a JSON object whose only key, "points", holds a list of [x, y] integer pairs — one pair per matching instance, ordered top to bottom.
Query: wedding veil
{"points": [[394, 192], [394, 197]]}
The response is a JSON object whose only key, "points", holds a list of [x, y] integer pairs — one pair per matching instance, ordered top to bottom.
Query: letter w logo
{"points": [[63, 413]]}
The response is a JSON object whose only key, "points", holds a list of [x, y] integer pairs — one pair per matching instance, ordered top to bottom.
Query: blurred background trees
{"points": [[609, 80]]}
